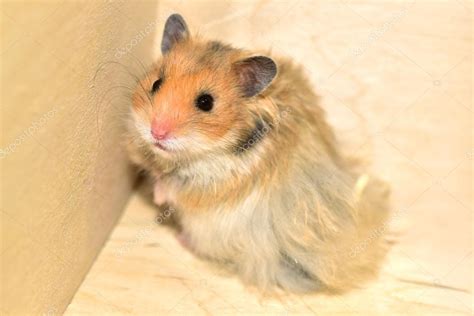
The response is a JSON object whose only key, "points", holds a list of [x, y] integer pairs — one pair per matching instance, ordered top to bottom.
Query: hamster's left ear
{"points": [[175, 31], [255, 74]]}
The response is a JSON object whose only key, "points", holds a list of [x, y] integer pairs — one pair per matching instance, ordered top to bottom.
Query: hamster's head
{"points": [[199, 97]]}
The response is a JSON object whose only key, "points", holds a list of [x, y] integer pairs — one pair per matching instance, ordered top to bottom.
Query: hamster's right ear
{"points": [[175, 31], [255, 74]]}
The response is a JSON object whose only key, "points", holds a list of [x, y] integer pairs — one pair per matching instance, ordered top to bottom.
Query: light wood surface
{"points": [[396, 80]]}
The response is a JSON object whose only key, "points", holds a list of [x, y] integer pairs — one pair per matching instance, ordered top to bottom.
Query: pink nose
{"points": [[160, 129], [159, 134]]}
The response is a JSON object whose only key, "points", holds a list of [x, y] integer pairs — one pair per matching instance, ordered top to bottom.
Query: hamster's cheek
{"points": [[142, 127], [193, 142], [198, 143]]}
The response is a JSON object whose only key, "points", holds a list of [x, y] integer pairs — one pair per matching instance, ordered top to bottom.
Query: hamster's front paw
{"points": [[159, 194], [184, 240]]}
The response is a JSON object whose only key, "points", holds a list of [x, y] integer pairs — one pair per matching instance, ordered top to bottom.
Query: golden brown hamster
{"points": [[238, 144]]}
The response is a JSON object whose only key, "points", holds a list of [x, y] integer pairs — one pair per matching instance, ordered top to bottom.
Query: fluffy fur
{"points": [[278, 205]]}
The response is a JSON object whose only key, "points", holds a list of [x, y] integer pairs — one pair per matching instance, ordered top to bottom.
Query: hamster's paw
{"points": [[159, 194], [184, 240]]}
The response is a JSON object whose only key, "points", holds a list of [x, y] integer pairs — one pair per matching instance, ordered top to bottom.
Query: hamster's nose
{"points": [[160, 129], [159, 134]]}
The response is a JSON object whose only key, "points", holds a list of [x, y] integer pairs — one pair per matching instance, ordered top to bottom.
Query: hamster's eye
{"points": [[156, 85], [205, 102]]}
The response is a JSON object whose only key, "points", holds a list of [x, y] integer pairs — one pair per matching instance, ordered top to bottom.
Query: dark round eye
{"points": [[156, 86], [205, 102]]}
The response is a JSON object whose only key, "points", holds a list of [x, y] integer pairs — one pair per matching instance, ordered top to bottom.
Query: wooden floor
{"points": [[396, 81]]}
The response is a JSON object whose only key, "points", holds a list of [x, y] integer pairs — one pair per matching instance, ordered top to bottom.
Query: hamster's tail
{"points": [[364, 254], [350, 258]]}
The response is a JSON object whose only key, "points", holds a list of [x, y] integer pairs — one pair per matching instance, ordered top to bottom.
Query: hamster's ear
{"points": [[175, 31], [255, 74]]}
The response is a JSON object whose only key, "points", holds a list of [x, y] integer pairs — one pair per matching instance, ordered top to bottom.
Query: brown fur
{"points": [[290, 211]]}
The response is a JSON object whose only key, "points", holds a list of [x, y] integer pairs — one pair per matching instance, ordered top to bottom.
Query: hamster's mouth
{"points": [[161, 146]]}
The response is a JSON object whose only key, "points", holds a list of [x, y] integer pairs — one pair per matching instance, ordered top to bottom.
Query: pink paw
{"points": [[159, 195], [184, 240]]}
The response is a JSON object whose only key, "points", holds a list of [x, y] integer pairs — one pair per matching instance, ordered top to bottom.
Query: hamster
{"points": [[239, 146]]}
